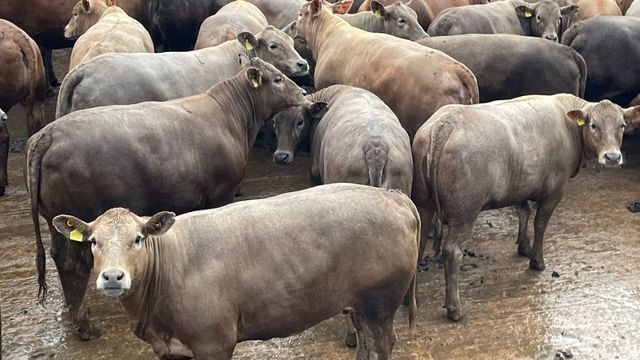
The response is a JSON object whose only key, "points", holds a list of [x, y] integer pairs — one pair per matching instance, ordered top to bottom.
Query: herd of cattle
{"points": [[442, 100]]}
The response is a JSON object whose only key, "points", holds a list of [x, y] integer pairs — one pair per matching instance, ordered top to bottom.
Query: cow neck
{"points": [[365, 21], [321, 29], [239, 104], [155, 284]]}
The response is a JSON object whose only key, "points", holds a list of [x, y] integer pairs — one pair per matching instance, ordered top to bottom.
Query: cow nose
{"points": [[552, 37], [303, 65], [304, 92], [281, 157], [612, 157], [113, 275]]}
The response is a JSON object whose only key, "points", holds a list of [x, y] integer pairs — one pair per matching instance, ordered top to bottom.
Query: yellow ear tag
{"points": [[377, 13], [527, 14], [248, 45], [255, 83], [580, 122], [75, 235]]}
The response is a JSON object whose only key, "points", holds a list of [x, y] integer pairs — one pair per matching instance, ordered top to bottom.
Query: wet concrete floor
{"points": [[586, 305]]}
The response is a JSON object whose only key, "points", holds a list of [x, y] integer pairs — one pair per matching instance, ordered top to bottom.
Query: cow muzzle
{"points": [[552, 37], [301, 68], [283, 157], [610, 158], [113, 282]]}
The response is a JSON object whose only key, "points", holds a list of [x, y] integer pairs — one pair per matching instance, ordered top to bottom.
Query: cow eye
{"points": [[538, 18], [273, 46], [277, 79], [300, 122], [593, 126], [623, 126], [138, 239], [93, 241]]}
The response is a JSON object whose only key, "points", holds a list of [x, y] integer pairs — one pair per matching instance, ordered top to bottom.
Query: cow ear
{"points": [[111, 3], [408, 3], [86, 5], [316, 7], [342, 7], [377, 8], [569, 10], [525, 11], [290, 29], [248, 40], [254, 75], [317, 110], [577, 117], [631, 119], [159, 223], [71, 227]]}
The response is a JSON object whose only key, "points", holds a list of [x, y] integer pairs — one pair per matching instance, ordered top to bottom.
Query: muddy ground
{"points": [[586, 305]]}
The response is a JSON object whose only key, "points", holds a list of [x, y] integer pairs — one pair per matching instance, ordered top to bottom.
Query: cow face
{"points": [[85, 14], [309, 16], [545, 18], [399, 20], [275, 47], [273, 91], [3, 118], [603, 126], [292, 127], [119, 243]]}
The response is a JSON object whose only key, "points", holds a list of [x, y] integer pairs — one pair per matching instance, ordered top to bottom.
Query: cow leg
{"points": [[48, 65], [32, 125], [4, 157], [545, 209], [524, 212], [426, 219], [459, 231], [74, 262], [376, 336], [350, 340], [216, 345]]}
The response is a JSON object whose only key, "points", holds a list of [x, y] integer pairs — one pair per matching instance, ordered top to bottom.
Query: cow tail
{"points": [[582, 68], [470, 93], [65, 95], [439, 137], [36, 148], [375, 154], [413, 304]]}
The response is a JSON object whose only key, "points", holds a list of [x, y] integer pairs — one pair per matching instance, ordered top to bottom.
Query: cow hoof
{"points": [[523, 251], [536, 265], [454, 315], [90, 334], [350, 340]]}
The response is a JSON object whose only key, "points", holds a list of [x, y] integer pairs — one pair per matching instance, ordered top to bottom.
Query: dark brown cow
{"points": [[427, 10], [233, 19], [541, 19], [44, 21], [22, 80], [414, 81], [182, 155], [473, 158], [249, 271]]}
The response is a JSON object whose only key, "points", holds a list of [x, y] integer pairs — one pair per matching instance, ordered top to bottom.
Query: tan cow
{"points": [[592, 8], [234, 18], [103, 27], [22, 80], [413, 80], [506, 153], [197, 284]]}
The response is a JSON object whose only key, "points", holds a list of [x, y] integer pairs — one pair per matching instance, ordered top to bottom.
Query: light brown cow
{"points": [[592, 8], [427, 10], [234, 18], [103, 27], [22, 80], [413, 80], [505, 153], [183, 155], [202, 282]]}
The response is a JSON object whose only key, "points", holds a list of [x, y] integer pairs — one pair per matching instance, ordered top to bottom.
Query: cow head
{"points": [[85, 14], [544, 17], [310, 19], [399, 20], [276, 47], [270, 89], [3, 118], [603, 125], [293, 127], [118, 241]]}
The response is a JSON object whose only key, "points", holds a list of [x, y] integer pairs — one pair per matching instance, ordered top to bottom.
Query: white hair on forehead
{"points": [[116, 216]]}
